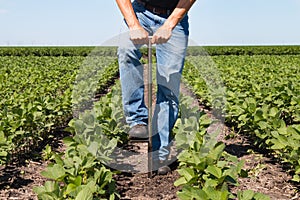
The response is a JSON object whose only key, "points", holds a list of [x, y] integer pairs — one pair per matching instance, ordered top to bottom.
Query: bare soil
{"points": [[18, 179], [140, 187]]}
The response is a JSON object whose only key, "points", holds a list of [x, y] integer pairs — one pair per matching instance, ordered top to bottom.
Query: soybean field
{"points": [[61, 120]]}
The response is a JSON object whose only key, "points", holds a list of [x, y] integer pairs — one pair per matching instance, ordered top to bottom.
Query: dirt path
{"points": [[266, 175], [16, 182]]}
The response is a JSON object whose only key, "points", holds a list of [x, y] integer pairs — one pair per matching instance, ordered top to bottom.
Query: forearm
{"points": [[127, 11], [178, 13], [138, 34]]}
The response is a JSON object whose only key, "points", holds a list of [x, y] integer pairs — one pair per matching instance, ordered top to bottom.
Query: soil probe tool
{"points": [[149, 84], [149, 87]]}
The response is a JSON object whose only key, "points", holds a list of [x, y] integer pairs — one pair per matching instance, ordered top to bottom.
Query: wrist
{"points": [[170, 23], [134, 25], [169, 26]]}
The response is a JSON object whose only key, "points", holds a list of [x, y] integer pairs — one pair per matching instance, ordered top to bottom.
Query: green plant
{"points": [[36, 95], [262, 99], [47, 153], [206, 170], [79, 174], [250, 195]]}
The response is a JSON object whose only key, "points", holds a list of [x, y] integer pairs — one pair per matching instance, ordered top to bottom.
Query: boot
{"points": [[138, 132]]}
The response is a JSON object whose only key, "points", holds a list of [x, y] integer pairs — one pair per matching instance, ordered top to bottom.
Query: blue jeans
{"points": [[170, 60]]}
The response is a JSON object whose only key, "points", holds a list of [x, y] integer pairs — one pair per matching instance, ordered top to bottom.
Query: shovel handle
{"points": [[150, 158]]}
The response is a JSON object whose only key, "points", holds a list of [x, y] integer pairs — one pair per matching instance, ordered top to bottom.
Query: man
{"points": [[167, 22]]}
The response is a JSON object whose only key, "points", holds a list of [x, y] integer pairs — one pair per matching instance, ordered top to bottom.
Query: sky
{"points": [[94, 22]]}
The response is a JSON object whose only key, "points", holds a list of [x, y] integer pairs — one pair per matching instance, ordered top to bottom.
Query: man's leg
{"points": [[170, 61], [131, 75], [132, 83]]}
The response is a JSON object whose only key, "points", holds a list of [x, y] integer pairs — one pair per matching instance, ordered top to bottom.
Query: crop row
{"points": [[243, 50], [57, 51], [111, 51], [259, 95], [37, 97], [206, 170], [81, 171]]}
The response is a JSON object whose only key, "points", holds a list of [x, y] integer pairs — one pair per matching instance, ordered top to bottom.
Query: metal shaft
{"points": [[150, 160]]}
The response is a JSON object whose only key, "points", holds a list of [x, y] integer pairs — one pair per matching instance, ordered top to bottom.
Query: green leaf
{"points": [[251, 102], [273, 112], [258, 116], [89, 119], [205, 120], [263, 125], [79, 126], [282, 130], [68, 141], [277, 144], [93, 148], [216, 152], [58, 159], [54, 172], [217, 172], [187, 173], [244, 173], [296, 178], [75, 180], [180, 181], [210, 182], [52, 187], [70, 188], [90, 188], [39, 189], [190, 193], [85, 194], [215, 194], [246, 195], [47, 196], [260, 196]]}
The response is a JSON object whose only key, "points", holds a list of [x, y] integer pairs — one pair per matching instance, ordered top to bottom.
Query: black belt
{"points": [[155, 9]]}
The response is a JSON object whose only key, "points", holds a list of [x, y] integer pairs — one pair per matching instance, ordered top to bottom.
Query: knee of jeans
{"points": [[127, 53]]}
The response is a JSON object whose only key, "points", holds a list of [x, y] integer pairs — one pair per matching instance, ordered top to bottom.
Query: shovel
{"points": [[149, 85], [150, 130]]}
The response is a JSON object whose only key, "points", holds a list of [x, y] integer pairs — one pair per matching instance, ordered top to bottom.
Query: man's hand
{"points": [[139, 35], [162, 35]]}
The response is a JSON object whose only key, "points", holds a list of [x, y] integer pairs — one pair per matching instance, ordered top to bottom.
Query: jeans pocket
{"points": [[184, 25]]}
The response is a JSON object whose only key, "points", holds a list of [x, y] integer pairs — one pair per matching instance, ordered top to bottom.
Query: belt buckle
{"points": [[155, 12]]}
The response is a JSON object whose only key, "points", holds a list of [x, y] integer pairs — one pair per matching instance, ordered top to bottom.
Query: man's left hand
{"points": [[162, 35]]}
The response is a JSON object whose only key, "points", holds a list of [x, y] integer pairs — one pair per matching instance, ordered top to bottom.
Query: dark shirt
{"points": [[169, 4]]}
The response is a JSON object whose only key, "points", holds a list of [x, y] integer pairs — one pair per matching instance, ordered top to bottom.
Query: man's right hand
{"points": [[139, 35]]}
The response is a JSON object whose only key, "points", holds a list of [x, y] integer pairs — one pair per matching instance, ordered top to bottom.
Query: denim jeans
{"points": [[169, 64]]}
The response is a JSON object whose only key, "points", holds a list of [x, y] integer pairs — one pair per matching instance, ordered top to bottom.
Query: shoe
{"points": [[138, 132], [163, 169]]}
